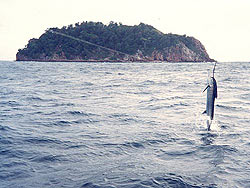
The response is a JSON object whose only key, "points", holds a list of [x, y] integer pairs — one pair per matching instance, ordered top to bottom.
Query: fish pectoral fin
{"points": [[205, 88], [204, 112]]}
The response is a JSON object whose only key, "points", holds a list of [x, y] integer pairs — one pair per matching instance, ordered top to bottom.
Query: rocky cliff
{"points": [[90, 41]]}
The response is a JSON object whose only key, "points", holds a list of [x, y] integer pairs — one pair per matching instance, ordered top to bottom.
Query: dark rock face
{"points": [[141, 43], [181, 53]]}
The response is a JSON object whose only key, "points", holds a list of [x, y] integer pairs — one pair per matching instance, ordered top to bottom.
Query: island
{"points": [[114, 42]]}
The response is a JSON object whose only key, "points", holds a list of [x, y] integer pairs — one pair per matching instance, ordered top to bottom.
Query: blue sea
{"points": [[128, 125]]}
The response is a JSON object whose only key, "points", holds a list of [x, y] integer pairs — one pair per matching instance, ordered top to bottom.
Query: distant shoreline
{"points": [[113, 61], [127, 61]]}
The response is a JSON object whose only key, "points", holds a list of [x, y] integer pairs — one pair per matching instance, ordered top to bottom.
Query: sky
{"points": [[222, 26]]}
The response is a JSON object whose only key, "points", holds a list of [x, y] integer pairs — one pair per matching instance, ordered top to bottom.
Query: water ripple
{"points": [[118, 125]]}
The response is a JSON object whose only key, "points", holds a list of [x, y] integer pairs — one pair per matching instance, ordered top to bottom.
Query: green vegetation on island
{"points": [[143, 42]]}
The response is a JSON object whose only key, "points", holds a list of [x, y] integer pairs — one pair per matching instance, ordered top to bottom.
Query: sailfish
{"points": [[211, 96]]}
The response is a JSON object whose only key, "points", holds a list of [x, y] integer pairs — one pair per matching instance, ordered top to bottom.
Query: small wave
{"points": [[83, 71], [108, 73], [228, 79], [146, 83], [88, 84], [113, 85], [5, 92], [140, 93], [245, 96], [175, 97], [34, 99], [39, 99], [152, 100], [10, 103], [62, 104], [166, 106], [223, 106], [230, 107], [80, 113], [118, 115], [124, 118], [85, 121], [73, 122], [62, 123], [5, 128], [208, 134], [233, 135], [208, 138], [5, 141], [42, 141], [155, 142], [131, 145], [136, 145], [77, 146], [218, 151], [8, 153], [12, 153], [177, 153], [47, 159], [13, 164], [17, 174], [167, 180], [172, 180], [92, 185]]}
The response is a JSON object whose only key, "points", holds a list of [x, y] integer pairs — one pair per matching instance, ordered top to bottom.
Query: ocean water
{"points": [[91, 125]]}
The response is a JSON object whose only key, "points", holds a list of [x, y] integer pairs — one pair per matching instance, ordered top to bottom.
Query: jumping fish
{"points": [[211, 96]]}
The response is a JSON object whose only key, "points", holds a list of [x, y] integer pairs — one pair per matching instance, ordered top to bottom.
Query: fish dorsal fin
{"points": [[206, 88]]}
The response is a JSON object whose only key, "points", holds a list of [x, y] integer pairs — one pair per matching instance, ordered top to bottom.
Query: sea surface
{"points": [[91, 125]]}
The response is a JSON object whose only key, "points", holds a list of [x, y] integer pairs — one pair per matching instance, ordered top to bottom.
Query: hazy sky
{"points": [[223, 26]]}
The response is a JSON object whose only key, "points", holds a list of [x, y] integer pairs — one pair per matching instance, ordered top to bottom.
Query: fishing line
{"points": [[90, 43], [214, 68]]}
